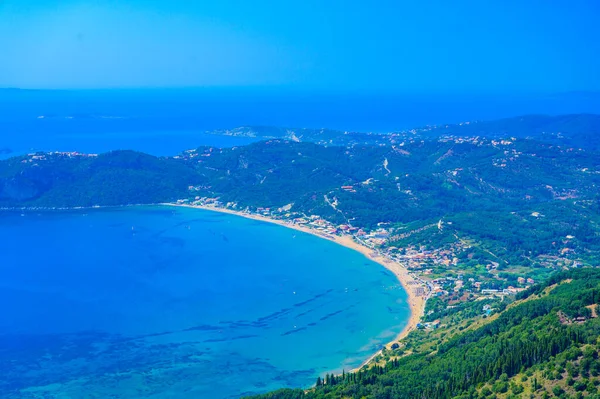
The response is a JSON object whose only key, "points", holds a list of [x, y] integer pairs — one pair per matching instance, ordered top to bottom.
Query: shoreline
{"points": [[416, 303]]}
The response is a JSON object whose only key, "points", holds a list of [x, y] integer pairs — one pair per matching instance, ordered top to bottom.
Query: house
{"points": [[512, 290]]}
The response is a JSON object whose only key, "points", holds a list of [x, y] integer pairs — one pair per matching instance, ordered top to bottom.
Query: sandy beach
{"points": [[415, 302]]}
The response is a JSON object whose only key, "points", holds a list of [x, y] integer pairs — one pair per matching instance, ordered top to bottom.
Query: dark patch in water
{"points": [[313, 298], [313, 309], [307, 312], [336, 313], [275, 315], [331, 315], [203, 327], [295, 330], [230, 339]]}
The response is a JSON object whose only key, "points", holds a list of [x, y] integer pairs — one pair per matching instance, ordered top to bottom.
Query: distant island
{"points": [[574, 130], [470, 217]]}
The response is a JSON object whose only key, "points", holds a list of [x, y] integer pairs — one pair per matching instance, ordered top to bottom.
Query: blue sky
{"points": [[399, 46]]}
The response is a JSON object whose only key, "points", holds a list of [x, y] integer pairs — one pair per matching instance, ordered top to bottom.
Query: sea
{"points": [[160, 302], [168, 302]]}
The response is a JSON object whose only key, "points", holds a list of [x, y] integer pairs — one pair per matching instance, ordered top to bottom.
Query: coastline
{"points": [[416, 303]]}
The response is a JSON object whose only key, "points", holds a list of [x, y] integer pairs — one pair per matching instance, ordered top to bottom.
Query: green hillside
{"points": [[576, 130], [114, 178], [540, 202], [543, 345]]}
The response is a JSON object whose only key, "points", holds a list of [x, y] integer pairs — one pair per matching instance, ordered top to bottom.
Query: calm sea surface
{"points": [[160, 302]]}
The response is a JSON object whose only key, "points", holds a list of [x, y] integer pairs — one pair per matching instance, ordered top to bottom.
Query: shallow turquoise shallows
{"points": [[162, 302]]}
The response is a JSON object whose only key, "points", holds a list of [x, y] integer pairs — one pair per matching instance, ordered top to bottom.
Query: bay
{"points": [[161, 302]]}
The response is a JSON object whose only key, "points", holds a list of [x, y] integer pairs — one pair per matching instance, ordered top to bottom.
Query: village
{"points": [[45, 156]]}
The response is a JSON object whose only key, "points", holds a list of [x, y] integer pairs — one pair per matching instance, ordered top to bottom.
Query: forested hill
{"points": [[576, 130], [420, 179], [72, 180], [532, 195], [544, 345]]}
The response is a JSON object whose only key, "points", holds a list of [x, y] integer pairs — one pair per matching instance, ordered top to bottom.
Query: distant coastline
{"points": [[416, 303]]}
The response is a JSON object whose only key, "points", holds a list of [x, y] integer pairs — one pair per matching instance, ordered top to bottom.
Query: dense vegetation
{"points": [[576, 130], [115, 178], [422, 179], [532, 195], [536, 347]]}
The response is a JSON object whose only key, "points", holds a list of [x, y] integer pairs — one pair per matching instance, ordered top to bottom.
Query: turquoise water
{"points": [[160, 302]]}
